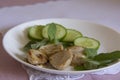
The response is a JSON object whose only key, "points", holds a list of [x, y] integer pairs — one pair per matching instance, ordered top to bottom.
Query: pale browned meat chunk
{"points": [[51, 49], [76, 49], [78, 56], [36, 57], [61, 60]]}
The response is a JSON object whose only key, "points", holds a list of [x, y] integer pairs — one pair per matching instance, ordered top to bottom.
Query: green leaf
{"points": [[52, 32], [35, 44], [39, 44], [67, 44], [28, 45], [90, 53], [107, 56], [98, 61], [106, 62], [91, 64], [78, 68]]}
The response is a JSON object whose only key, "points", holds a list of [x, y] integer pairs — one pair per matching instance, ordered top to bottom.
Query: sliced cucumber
{"points": [[35, 32], [60, 32], [71, 35], [87, 42]]}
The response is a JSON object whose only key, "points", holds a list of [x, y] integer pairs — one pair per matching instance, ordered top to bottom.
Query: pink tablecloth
{"points": [[12, 70]]}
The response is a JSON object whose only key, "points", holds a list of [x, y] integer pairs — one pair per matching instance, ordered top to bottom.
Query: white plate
{"points": [[16, 38]]}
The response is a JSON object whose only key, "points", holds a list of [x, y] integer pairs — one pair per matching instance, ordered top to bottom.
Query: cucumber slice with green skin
{"points": [[35, 32], [60, 32], [71, 35], [87, 42]]}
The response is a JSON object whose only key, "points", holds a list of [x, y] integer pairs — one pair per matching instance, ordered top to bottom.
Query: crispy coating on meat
{"points": [[51, 49], [78, 56], [36, 57], [61, 60]]}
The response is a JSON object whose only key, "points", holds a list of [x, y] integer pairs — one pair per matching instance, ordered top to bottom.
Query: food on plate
{"points": [[59, 30], [35, 32], [71, 35], [87, 42], [61, 47], [51, 49], [78, 55], [36, 57], [61, 60]]}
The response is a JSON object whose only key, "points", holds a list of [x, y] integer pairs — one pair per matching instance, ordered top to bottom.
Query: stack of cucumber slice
{"points": [[63, 34]]}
